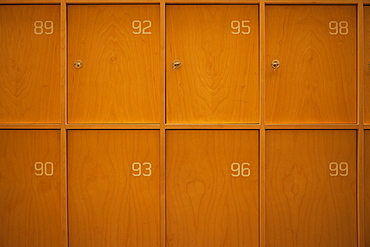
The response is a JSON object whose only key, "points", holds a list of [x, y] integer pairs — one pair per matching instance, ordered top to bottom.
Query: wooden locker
{"points": [[217, 46], [315, 46], [29, 64], [113, 64], [367, 65], [310, 186], [30, 188], [212, 188], [367, 188], [113, 190]]}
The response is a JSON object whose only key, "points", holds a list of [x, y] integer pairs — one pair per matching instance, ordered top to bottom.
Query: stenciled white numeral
{"points": [[40, 27], [141, 27], [240, 27], [338, 27], [46, 169], [139, 169], [240, 169], [340, 169]]}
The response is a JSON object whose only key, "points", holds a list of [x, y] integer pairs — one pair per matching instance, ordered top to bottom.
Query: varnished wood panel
{"points": [[29, 64], [366, 64], [218, 79], [119, 81], [316, 81], [367, 188], [205, 204], [30, 205], [305, 205], [108, 206]]}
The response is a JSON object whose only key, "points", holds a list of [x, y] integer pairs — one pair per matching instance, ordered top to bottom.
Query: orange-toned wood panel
{"points": [[217, 46], [316, 48], [29, 64], [367, 64], [119, 81], [30, 188], [113, 188], [212, 188], [311, 188], [367, 188]]}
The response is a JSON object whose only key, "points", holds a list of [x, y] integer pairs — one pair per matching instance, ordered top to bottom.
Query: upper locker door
{"points": [[315, 47], [217, 48], [29, 64], [113, 64], [367, 65], [30, 188], [212, 188], [311, 188]]}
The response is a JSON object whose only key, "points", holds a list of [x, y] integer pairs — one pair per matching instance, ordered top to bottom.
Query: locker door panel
{"points": [[118, 46], [217, 46], [29, 64], [366, 65], [316, 80], [367, 187], [30, 188], [113, 188], [212, 188], [311, 188]]}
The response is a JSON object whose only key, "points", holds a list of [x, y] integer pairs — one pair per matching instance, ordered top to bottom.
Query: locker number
{"points": [[40, 27], [141, 27], [240, 27], [338, 27], [46, 169], [139, 169], [240, 169], [340, 169]]}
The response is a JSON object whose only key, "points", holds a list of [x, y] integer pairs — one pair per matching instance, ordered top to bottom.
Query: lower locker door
{"points": [[30, 188], [113, 188], [212, 188], [311, 188], [367, 188]]}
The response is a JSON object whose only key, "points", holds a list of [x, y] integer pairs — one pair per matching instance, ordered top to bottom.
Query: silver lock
{"points": [[78, 64], [176, 64], [275, 64]]}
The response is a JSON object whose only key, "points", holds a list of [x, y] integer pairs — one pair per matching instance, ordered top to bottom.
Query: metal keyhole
{"points": [[78, 64], [176, 64], [275, 64]]}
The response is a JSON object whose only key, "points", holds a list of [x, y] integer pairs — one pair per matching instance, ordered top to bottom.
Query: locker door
{"points": [[217, 46], [316, 49], [29, 64], [113, 64], [367, 64], [30, 188], [212, 188], [311, 188], [367, 188], [113, 189]]}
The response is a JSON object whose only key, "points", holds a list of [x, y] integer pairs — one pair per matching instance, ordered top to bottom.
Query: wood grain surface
{"points": [[29, 64], [366, 65], [120, 78], [218, 79], [316, 81], [367, 188], [205, 204], [30, 205], [108, 206], [305, 206]]}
